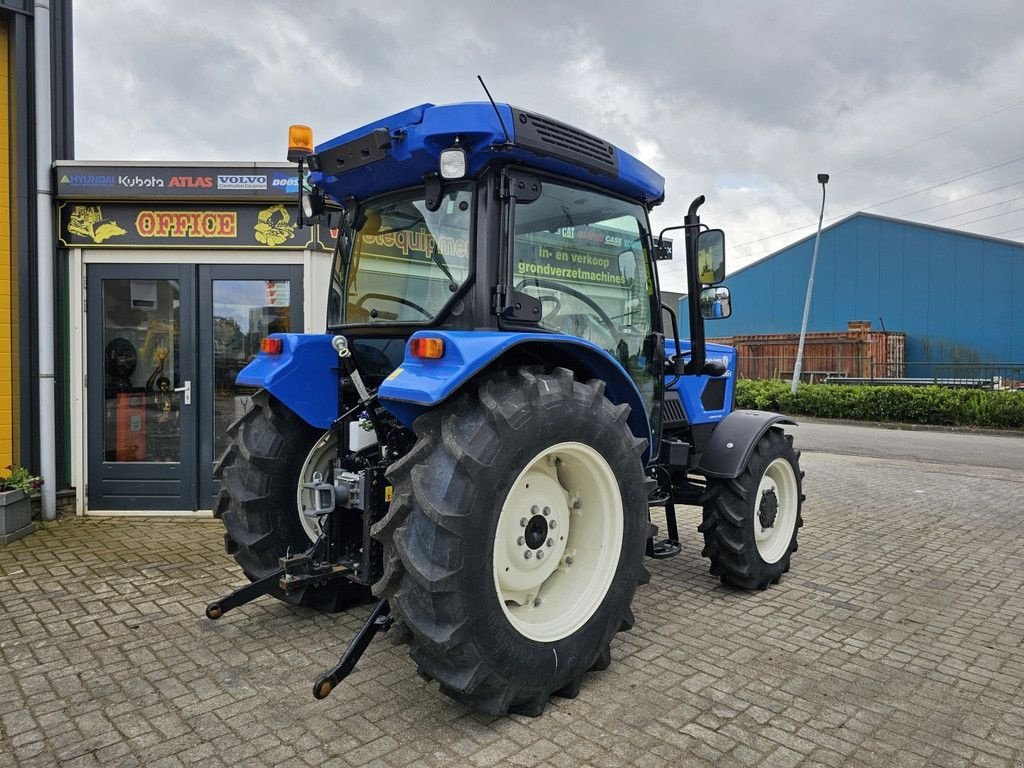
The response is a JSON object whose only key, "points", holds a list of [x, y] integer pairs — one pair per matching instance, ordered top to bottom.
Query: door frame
{"points": [[314, 263]]}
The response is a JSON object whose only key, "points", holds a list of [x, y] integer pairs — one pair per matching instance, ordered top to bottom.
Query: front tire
{"points": [[272, 453], [751, 522], [514, 542]]}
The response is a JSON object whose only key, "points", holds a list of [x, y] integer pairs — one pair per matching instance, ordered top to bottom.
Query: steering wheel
{"points": [[395, 299], [606, 321]]}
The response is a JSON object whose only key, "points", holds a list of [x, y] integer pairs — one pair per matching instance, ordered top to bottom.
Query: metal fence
{"points": [[863, 370]]}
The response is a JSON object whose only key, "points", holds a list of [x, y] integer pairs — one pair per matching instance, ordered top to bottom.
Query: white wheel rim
{"points": [[318, 460], [774, 532], [558, 541]]}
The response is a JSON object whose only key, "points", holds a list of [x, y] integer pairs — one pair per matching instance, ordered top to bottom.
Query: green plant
{"points": [[912, 405], [20, 479]]}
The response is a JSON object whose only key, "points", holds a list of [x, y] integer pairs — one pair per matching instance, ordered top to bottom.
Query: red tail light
{"points": [[272, 346], [427, 347]]}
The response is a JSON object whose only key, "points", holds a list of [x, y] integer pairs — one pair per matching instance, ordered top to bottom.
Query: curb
{"points": [[895, 425]]}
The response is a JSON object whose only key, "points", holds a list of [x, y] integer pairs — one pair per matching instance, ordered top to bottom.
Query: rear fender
{"points": [[304, 376], [418, 385], [733, 440]]}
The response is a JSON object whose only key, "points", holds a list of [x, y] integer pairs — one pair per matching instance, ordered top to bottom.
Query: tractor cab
{"points": [[479, 216]]}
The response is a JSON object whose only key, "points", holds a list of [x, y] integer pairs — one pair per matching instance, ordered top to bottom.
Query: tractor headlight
{"points": [[453, 163]]}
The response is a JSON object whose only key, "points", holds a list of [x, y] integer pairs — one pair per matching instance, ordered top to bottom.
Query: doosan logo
{"points": [[139, 181], [241, 182], [289, 183]]}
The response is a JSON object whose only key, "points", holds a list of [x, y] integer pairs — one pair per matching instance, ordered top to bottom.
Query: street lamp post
{"points": [[798, 368]]}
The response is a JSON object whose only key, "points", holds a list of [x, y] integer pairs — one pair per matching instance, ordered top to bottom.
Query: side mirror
{"points": [[711, 257], [715, 303]]}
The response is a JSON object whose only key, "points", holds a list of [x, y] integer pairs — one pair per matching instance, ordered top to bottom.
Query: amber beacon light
{"points": [[300, 142], [427, 347]]}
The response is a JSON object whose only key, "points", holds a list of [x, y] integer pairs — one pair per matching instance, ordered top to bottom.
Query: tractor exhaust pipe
{"points": [[697, 344]]}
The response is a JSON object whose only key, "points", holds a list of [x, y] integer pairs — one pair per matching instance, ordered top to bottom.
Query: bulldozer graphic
{"points": [[88, 221], [273, 226]]}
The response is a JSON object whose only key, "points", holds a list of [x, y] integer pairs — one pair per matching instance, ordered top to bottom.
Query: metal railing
{"points": [[862, 370]]}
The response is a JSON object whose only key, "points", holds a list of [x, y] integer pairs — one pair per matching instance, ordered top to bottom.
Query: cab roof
{"points": [[397, 151]]}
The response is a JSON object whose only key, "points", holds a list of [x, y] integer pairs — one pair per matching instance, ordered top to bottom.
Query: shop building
{"points": [[174, 273]]}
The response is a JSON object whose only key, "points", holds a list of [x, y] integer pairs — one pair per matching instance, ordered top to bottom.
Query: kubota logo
{"points": [[140, 181]]}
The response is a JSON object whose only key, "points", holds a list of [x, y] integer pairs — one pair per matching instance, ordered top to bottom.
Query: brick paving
{"points": [[896, 640]]}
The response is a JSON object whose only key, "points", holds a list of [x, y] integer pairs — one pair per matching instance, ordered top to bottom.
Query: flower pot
{"points": [[15, 516]]}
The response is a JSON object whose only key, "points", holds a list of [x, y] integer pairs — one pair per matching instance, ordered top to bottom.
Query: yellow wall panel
{"points": [[9, 405]]}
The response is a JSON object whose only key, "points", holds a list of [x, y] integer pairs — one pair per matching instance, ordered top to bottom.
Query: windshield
{"points": [[584, 256], [401, 263]]}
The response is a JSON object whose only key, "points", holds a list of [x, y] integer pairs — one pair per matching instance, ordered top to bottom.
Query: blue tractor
{"points": [[477, 439]]}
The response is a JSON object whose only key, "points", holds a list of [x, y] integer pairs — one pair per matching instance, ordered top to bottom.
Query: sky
{"points": [[915, 108]]}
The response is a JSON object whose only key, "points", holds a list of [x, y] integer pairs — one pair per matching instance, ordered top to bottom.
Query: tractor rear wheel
{"points": [[272, 453], [751, 522], [515, 538]]}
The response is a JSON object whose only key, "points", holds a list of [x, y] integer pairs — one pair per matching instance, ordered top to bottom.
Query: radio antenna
{"points": [[508, 139]]}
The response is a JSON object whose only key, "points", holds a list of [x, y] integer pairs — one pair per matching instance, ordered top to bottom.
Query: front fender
{"points": [[304, 376], [418, 385], [733, 440]]}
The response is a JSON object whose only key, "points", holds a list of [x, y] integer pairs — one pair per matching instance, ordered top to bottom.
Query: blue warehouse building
{"points": [[958, 297]]}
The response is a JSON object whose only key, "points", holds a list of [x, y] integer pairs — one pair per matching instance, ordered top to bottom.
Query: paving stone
{"points": [[895, 640]]}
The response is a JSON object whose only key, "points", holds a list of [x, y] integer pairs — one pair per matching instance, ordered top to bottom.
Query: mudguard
{"points": [[304, 376], [418, 385], [733, 441]]}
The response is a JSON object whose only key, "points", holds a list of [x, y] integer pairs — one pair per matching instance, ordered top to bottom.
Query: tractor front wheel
{"points": [[751, 521], [514, 542]]}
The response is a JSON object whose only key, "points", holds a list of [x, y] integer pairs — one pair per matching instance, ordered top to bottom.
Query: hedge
{"points": [[913, 405]]}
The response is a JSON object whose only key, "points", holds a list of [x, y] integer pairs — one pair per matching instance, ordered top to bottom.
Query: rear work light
{"points": [[272, 346], [427, 347]]}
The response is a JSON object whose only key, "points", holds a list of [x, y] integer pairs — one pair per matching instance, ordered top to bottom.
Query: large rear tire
{"points": [[272, 453], [751, 522], [515, 538]]}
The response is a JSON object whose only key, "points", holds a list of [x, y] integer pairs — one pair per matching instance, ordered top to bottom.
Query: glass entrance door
{"points": [[238, 306], [164, 345], [141, 373]]}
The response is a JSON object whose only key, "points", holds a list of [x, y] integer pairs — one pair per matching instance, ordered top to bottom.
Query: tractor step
{"points": [[666, 548], [662, 550], [379, 620]]}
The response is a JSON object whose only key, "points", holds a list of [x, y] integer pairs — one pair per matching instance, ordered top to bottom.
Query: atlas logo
{"points": [[285, 181], [191, 182], [241, 182]]}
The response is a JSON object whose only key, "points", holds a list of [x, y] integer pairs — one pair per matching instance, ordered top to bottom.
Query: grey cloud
{"points": [[739, 101]]}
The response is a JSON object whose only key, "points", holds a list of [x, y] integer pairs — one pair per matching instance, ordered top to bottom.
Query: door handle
{"points": [[187, 389]]}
